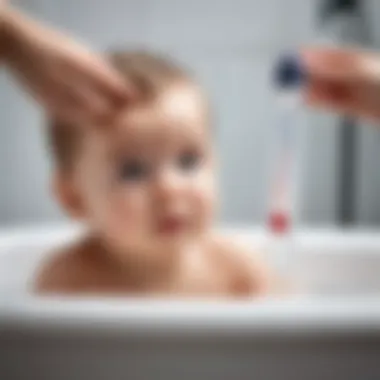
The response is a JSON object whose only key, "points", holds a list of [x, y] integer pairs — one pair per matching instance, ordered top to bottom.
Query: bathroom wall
{"points": [[231, 45]]}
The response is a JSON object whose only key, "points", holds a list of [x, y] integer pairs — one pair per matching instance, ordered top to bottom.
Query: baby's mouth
{"points": [[171, 225]]}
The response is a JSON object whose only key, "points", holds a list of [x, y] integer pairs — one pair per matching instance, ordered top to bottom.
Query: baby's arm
{"points": [[255, 270], [67, 271], [248, 271], [253, 273], [58, 274]]}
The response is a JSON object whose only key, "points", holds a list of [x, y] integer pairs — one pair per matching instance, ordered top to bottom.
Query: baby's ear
{"points": [[68, 195]]}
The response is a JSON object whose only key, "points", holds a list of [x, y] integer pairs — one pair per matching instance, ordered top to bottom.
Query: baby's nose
{"points": [[168, 184]]}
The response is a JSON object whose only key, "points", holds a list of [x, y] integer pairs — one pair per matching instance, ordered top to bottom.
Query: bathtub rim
{"points": [[352, 237], [295, 315]]}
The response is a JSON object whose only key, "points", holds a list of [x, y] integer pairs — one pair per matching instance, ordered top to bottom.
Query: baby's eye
{"points": [[189, 160], [134, 171]]}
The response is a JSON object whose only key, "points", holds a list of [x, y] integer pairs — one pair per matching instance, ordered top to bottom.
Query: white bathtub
{"points": [[330, 332]]}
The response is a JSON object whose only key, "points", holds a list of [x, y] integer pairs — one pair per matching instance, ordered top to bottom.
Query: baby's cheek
{"points": [[204, 197], [129, 213]]}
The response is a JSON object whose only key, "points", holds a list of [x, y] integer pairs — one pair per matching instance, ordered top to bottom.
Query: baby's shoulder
{"points": [[247, 268], [63, 271]]}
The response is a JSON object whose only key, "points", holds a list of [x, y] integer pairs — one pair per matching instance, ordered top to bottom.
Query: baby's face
{"points": [[147, 183]]}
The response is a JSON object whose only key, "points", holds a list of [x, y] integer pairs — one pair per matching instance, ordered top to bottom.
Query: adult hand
{"points": [[2, 7], [69, 80], [344, 80]]}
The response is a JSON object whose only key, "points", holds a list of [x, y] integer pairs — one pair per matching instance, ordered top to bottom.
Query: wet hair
{"points": [[150, 74]]}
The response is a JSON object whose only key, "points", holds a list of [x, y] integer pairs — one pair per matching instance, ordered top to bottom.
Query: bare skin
{"points": [[2, 43], [66, 78], [344, 80], [71, 81], [152, 226], [219, 268]]}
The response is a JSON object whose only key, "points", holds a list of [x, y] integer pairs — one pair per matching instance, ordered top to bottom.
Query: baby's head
{"points": [[145, 184]]}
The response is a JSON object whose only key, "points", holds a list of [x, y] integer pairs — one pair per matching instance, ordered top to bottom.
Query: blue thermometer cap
{"points": [[289, 72]]}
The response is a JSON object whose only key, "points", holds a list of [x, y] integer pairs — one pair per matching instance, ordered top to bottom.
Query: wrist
{"points": [[4, 31], [12, 32], [2, 37]]}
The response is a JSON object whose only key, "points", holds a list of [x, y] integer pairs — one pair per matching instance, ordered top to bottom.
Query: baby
{"points": [[144, 184]]}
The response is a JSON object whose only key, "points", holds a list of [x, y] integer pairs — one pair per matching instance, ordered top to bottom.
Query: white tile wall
{"points": [[231, 45]]}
